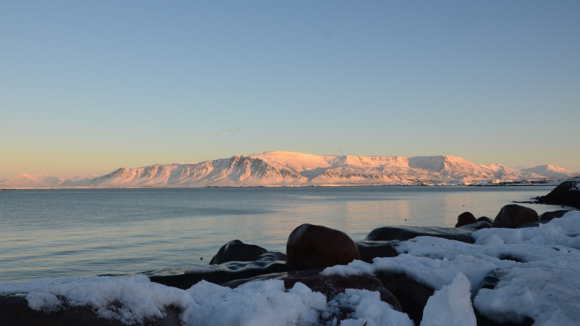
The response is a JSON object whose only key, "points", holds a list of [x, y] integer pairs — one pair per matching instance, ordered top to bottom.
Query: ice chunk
{"points": [[354, 268], [450, 306]]}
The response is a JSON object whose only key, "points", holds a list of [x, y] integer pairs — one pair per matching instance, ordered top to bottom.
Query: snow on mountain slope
{"points": [[288, 168], [550, 171], [43, 181]]}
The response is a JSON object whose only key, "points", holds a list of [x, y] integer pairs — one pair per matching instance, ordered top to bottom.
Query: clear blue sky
{"points": [[88, 87]]}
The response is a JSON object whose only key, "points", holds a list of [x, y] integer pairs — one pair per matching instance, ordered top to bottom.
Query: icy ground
{"points": [[538, 270]]}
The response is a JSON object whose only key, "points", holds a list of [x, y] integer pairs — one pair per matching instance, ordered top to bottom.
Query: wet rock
{"points": [[567, 193], [512, 216], [548, 216], [464, 219], [485, 219], [532, 224], [476, 226], [409, 232], [314, 246], [372, 249], [236, 250], [272, 256], [219, 274], [330, 286], [411, 295], [14, 311]]}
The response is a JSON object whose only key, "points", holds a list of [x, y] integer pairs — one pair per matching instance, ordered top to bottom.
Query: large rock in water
{"points": [[567, 193], [512, 216], [465, 218], [409, 232], [314, 246], [236, 250], [330, 286]]}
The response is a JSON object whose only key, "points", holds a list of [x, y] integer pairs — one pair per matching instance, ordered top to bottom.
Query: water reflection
{"points": [[55, 233]]}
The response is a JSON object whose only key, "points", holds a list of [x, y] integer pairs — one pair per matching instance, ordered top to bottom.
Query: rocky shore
{"points": [[567, 193], [516, 269]]}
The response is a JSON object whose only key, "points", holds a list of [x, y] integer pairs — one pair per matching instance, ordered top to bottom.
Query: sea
{"points": [[52, 233]]}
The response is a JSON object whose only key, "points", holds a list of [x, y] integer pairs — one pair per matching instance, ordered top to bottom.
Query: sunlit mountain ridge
{"points": [[281, 168]]}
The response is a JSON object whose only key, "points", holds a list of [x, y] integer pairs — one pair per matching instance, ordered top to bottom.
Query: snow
{"points": [[281, 168], [551, 171], [538, 270], [140, 298], [253, 303], [450, 306], [369, 310]]}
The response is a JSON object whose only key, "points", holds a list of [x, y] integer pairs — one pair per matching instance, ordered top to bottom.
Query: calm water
{"points": [[55, 233]]}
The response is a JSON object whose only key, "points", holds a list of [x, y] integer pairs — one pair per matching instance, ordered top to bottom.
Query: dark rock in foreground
{"points": [[567, 193], [511, 216], [548, 216], [464, 219], [485, 219], [476, 226], [410, 232], [314, 246], [372, 249], [236, 250], [225, 273], [412, 295], [14, 311]]}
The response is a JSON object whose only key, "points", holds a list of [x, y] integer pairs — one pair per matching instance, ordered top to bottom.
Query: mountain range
{"points": [[297, 169]]}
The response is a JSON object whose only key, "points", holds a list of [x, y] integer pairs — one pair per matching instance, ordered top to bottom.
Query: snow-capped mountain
{"points": [[289, 168], [551, 171], [43, 180]]}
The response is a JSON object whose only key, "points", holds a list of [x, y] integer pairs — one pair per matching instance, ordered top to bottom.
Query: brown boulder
{"points": [[512, 216], [464, 219], [314, 246]]}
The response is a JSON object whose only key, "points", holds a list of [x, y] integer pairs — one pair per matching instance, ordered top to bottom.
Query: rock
{"points": [[567, 193], [512, 216], [548, 216], [464, 219], [485, 219], [532, 224], [476, 226], [410, 232], [314, 246], [372, 249], [236, 250], [272, 256], [219, 274], [330, 286], [411, 295], [14, 311]]}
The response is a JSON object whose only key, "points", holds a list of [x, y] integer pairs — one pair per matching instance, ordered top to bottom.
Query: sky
{"points": [[89, 87]]}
